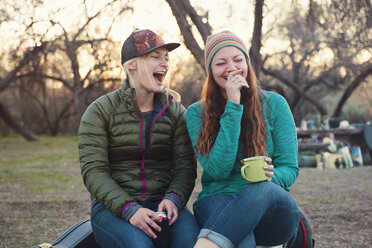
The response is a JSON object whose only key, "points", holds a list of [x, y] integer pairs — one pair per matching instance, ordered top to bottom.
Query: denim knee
{"points": [[185, 230], [113, 232]]}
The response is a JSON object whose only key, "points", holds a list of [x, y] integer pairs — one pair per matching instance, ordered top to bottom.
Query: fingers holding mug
{"points": [[268, 160], [269, 168]]}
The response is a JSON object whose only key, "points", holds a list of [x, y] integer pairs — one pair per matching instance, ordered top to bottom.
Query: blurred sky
{"points": [[237, 16]]}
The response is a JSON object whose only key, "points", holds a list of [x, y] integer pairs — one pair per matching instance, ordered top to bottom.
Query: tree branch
{"points": [[180, 14], [91, 18], [203, 27], [28, 56], [64, 82], [297, 89], [350, 89]]}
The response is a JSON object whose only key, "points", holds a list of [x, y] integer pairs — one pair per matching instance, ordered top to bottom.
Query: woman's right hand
{"points": [[235, 82], [143, 219]]}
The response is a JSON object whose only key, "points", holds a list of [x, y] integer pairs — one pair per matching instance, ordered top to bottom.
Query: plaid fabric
{"points": [[219, 40]]}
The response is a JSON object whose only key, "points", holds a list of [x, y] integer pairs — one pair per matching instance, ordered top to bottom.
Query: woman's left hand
{"points": [[269, 168], [170, 208]]}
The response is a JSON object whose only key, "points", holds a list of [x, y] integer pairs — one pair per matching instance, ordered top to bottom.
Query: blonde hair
{"points": [[140, 63], [127, 74]]}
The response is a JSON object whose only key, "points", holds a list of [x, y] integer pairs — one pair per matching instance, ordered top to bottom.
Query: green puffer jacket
{"points": [[113, 162]]}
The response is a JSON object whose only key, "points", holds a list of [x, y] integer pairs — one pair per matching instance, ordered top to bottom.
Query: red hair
{"points": [[253, 129]]}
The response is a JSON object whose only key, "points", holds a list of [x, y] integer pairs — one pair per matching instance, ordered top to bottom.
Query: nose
{"points": [[164, 63], [231, 66]]}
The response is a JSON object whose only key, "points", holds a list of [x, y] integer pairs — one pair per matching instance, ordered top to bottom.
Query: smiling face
{"points": [[225, 61], [150, 70]]}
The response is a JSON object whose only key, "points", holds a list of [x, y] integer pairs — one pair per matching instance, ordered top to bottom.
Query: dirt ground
{"points": [[338, 203]]}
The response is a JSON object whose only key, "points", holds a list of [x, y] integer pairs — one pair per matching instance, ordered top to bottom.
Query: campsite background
{"points": [[58, 56]]}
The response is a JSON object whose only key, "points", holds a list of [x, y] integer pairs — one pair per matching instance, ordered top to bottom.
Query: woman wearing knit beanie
{"points": [[234, 120]]}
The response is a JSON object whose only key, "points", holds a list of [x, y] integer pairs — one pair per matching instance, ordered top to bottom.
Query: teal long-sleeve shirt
{"points": [[221, 167]]}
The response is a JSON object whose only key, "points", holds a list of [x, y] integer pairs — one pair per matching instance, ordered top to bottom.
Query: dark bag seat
{"points": [[80, 235], [304, 236]]}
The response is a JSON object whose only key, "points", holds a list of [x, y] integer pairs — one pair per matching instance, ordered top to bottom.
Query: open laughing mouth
{"points": [[159, 77]]}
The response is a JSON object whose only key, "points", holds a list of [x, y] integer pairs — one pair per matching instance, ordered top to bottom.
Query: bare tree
{"points": [[182, 11], [187, 17], [338, 27], [352, 36], [70, 44], [254, 51], [30, 55], [58, 59], [354, 84], [18, 126]]}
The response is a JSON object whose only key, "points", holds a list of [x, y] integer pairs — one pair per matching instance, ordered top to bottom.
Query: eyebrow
{"points": [[233, 57]]}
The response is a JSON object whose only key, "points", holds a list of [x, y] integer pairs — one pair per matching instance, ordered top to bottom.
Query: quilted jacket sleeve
{"points": [[94, 163]]}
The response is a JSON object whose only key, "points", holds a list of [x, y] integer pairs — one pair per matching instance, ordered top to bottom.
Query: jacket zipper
{"points": [[156, 118], [143, 195]]}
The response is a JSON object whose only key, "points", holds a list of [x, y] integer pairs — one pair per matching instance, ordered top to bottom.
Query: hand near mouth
{"points": [[235, 82]]}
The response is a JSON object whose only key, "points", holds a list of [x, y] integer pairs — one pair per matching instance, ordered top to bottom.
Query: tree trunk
{"points": [[182, 9], [203, 27], [254, 51], [7, 80], [79, 101], [17, 126]]}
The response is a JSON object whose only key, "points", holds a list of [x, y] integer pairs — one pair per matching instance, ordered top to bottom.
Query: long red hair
{"points": [[253, 129]]}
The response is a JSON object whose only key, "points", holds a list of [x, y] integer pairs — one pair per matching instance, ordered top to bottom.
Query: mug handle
{"points": [[242, 171]]}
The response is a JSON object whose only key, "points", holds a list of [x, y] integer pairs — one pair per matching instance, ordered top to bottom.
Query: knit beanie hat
{"points": [[219, 40]]}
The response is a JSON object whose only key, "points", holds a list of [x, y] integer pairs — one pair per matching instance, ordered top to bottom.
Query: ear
{"points": [[132, 66]]}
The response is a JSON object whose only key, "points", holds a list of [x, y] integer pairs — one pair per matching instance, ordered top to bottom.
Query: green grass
{"points": [[44, 166], [42, 189]]}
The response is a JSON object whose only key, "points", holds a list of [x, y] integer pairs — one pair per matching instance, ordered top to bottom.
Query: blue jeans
{"points": [[261, 213], [111, 231]]}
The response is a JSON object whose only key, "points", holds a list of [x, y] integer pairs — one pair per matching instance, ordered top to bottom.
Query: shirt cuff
{"points": [[234, 105], [174, 198], [129, 210]]}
